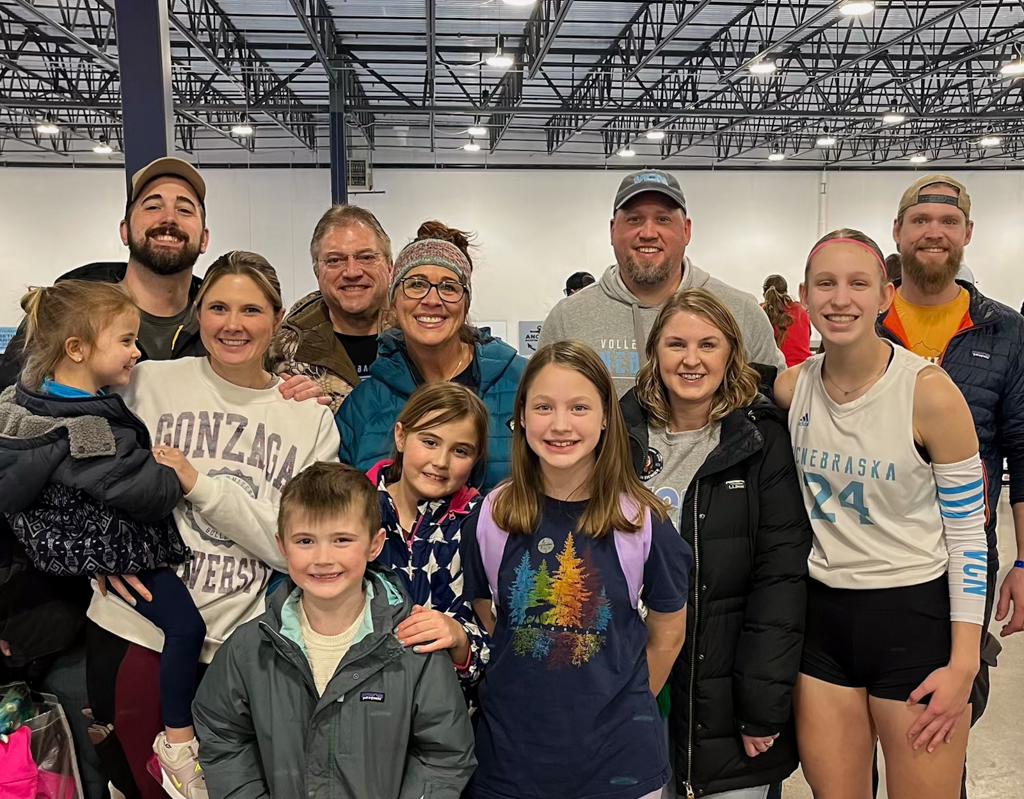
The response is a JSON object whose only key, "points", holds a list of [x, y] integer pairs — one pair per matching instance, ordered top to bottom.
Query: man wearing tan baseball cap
{"points": [[164, 228], [980, 344]]}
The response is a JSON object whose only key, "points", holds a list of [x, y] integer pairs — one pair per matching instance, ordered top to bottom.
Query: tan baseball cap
{"points": [[168, 166], [916, 194]]}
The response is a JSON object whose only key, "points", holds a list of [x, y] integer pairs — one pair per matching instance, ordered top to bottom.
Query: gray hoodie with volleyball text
{"points": [[610, 319]]}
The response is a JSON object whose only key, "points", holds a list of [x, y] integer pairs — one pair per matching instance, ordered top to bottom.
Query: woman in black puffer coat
{"points": [[704, 440]]}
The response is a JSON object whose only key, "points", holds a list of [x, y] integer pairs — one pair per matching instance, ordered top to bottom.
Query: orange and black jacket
{"points": [[985, 358]]}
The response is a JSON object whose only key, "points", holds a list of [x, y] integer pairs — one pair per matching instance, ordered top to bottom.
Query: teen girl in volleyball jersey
{"points": [[886, 450]]}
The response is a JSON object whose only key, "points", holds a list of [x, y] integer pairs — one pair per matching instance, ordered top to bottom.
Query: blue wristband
{"points": [[1018, 564]]}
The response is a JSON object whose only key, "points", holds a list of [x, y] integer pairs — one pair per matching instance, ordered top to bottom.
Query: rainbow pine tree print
{"points": [[562, 617]]}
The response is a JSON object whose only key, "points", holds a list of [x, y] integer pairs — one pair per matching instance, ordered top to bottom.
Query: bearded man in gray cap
{"points": [[649, 233]]}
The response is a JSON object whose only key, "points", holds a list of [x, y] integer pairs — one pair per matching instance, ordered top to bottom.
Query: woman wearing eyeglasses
{"points": [[431, 342]]}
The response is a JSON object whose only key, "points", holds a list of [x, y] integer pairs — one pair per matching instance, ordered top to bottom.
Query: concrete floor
{"points": [[995, 755]]}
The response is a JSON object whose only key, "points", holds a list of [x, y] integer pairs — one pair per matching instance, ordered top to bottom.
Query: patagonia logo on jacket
{"points": [[980, 354], [733, 485], [371, 696]]}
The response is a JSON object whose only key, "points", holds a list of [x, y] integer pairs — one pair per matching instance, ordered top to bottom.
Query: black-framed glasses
{"points": [[416, 288]]}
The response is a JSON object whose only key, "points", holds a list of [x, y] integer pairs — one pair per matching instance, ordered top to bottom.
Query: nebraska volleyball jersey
{"points": [[871, 496]]}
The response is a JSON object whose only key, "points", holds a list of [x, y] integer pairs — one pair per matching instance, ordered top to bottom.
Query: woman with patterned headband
{"points": [[431, 341], [886, 450]]}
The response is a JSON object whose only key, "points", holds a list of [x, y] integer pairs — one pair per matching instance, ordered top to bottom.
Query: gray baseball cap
{"points": [[649, 180]]}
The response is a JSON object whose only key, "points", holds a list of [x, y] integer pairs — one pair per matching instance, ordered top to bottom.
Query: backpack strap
{"points": [[491, 542], [633, 550]]}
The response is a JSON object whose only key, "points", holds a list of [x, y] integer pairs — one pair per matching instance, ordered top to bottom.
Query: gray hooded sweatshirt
{"points": [[610, 319]]}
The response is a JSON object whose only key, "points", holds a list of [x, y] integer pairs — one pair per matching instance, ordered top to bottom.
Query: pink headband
{"points": [[867, 247]]}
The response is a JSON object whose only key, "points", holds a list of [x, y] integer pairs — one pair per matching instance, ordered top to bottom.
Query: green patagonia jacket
{"points": [[392, 724]]}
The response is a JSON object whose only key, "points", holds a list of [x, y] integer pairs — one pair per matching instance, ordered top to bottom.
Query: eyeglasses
{"points": [[363, 259], [416, 288]]}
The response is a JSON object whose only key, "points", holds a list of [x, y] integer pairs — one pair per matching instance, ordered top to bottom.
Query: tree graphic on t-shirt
{"points": [[522, 588], [541, 593], [568, 593], [604, 612]]}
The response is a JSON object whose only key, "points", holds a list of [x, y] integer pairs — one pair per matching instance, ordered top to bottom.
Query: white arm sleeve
{"points": [[962, 501]]}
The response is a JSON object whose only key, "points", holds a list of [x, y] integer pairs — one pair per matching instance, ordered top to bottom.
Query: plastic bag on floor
{"points": [[51, 745]]}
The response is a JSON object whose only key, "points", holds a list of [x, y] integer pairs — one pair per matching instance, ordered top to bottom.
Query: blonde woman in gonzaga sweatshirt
{"points": [[234, 442]]}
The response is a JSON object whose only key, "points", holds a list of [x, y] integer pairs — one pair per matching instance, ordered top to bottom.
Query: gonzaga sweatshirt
{"points": [[610, 319], [246, 444]]}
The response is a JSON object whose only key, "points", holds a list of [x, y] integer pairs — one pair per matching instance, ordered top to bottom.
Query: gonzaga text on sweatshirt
{"points": [[245, 444]]}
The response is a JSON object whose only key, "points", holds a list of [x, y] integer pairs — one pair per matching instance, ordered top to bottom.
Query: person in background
{"points": [[650, 231], [894, 268], [577, 281], [789, 320], [331, 335], [432, 342], [980, 344], [440, 436], [244, 442], [719, 456], [893, 484], [566, 549], [315, 698]]}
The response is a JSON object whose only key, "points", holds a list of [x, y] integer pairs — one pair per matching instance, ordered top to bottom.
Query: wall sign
{"points": [[6, 334], [529, 335]]}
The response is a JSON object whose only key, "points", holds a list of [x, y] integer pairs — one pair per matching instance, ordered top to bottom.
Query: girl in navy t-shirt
{"points": [[589, 580]]}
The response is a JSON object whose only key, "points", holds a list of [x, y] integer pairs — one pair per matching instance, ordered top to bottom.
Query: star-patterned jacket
{"points": [[428, 564]]}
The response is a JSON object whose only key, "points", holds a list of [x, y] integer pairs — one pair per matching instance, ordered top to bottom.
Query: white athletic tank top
{"points": [[871, 496]]}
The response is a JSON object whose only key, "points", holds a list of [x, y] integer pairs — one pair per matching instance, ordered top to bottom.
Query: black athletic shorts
{"points": [[887, 640]]}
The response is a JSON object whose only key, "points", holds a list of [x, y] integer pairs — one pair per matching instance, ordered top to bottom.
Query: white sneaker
{"points": [[181, 775]]}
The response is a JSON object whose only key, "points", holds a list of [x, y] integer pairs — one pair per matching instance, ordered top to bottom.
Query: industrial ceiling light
{"points": [[520, 2], [856, 9], [499, 60], [763, 67], [1013, 68], [894, 117], [47, 128], [242, 129], [477, 130], [655, 135], [827, 140], [990, 141], [471, 147], [102, 148], [627, 152], [776, 156], [919, 159]]}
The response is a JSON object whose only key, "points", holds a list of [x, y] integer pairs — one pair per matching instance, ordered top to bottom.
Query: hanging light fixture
{"points": [[856, 9], [500, 60], [763, 67], [1012, 69], [894, 117], [47, 128], [243, 129], [477, 130], [655, 135], [826, 140], [990, 141], [471, 147], [102, 148], [626, 152], [776, 156], [919, 159]]}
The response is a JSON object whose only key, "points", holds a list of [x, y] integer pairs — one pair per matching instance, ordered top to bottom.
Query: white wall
{"points": [[535, 228]]}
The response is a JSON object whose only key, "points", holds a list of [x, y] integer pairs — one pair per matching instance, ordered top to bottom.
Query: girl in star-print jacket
{"points": [[439, 443]]}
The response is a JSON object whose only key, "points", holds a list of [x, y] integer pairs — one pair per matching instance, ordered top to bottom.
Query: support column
{"points": [[147, 102], [339, 136]]}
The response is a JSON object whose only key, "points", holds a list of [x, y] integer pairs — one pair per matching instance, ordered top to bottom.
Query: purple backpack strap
{"points": [[491, 541], [633, 549]]}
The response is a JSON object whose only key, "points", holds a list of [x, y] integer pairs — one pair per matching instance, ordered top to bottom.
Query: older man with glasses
{"points": [[332, 334]]}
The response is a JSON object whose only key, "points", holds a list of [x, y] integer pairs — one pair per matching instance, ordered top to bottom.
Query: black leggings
{"points": [[174, 612]]}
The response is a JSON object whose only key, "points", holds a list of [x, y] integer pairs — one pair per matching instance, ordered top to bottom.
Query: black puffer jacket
{"points": [[985, 359], [80, 487], [744, 516]]}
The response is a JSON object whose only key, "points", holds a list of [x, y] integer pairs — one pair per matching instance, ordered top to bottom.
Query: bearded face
{"points": [[164, 249], [932, 265]]}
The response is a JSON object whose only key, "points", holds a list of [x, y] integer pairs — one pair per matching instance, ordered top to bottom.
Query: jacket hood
{"points": [[614, 288], [491, 358], [33, 444], [455, 504]]}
